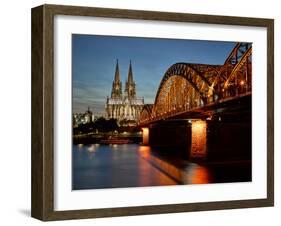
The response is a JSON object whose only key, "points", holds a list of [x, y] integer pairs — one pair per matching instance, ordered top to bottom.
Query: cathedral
{"points": [[124, 106]]}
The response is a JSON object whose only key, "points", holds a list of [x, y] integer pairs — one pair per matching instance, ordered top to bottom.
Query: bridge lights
{"points": [[242, 82], [209, 118]]}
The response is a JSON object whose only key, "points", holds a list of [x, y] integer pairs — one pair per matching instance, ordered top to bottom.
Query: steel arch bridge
{"points": [[185, 86]]}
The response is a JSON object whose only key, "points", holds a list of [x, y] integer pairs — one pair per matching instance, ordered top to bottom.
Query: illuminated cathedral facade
{"points": [[124, 106]]}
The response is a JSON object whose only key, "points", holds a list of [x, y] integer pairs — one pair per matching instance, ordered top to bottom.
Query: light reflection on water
{"points": [[80, 146], [91, 148], [132, 165], [111, 166], [192, 173], [197, 174]]}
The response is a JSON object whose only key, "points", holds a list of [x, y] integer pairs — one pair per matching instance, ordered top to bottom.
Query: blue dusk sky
{"points": [[94, 61]]}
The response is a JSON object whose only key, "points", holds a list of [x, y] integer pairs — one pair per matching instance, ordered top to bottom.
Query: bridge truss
{"points": [[187, 86]]}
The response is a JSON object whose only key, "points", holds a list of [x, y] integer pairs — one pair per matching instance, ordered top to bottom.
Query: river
{"points": [[131, 165]]}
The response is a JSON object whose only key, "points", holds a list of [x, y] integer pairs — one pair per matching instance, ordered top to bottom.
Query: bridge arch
{"points": [[235, 73], [182, 79], [187, 86], [146, 112]]}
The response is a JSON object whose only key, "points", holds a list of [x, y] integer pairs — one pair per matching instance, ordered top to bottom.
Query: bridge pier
{"points": [[145, 136], [171, 136], [187, 138], [198, 139], [219, 139], [229, 139]]}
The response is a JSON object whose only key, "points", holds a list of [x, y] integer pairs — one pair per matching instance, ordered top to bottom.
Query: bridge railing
{"points": [[232, 91]]}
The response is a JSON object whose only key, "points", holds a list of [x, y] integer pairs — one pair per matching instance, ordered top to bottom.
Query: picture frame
{"points": [[43, 182]]}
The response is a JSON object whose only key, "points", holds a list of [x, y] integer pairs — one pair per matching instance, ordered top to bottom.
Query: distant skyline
{"points": [[94, 60]]}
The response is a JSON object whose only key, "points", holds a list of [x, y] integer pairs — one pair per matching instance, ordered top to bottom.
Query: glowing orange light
{"points": [[242, 83], [145, 136], [198, 138], [144, 148], [144, 151], [200, 176]]}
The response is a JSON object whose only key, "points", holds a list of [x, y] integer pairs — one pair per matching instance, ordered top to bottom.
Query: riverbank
{"points": [[92, 138]]}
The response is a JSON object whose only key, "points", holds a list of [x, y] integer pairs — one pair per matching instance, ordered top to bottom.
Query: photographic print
{"points": [[146, 112], [158, 112]]}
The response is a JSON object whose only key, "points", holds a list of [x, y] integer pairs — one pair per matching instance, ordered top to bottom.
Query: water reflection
{"points": [[80, 146], [92, 148], [144, 151], [132, 165], [112, 166], [190, 174], [196, 174]]}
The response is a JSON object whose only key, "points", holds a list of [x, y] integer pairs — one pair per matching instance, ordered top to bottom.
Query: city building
{"points": [[125, 106], [88, 116], [83, 118]]}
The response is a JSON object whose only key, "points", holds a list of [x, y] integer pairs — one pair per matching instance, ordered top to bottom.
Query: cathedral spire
{"points": [[117, 74], [130, 74], [116, 85], [130, 88], [126, 107]]}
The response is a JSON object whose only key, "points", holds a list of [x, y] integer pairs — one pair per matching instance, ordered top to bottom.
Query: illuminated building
{"points": [[127, 106]]}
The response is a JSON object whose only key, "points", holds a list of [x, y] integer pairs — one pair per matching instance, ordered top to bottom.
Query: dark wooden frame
{"points": [[42, 203]]}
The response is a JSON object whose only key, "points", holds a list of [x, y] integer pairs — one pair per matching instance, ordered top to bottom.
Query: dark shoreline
{"points": [[91, 139]]}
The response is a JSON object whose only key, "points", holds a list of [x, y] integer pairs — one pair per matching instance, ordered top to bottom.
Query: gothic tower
{"points": [[117, 84], [130, 88], [125, 108]]}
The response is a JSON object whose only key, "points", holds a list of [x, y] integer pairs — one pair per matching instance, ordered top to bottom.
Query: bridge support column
{"points": [[145, 136], [171, 137], [187, 138], [198, 139]]}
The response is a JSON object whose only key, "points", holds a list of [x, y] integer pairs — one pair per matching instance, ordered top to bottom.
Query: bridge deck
{"points": [[227, 105]]}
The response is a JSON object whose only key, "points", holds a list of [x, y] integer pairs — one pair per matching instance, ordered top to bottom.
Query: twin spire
{"points": [[130, 74], [117, 75], [117, 85]]}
